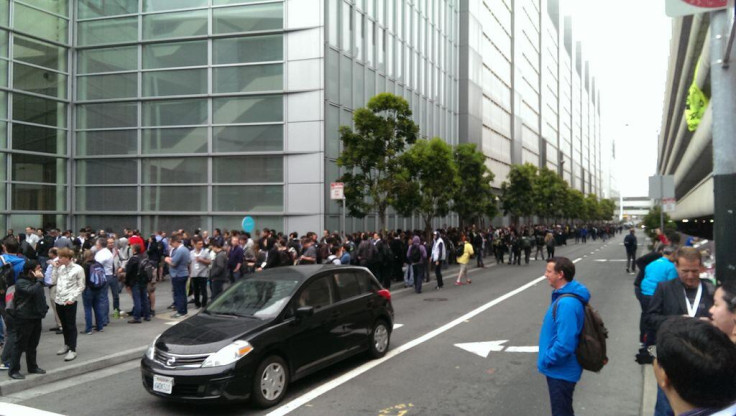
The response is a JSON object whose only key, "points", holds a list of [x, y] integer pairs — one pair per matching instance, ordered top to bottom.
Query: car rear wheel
{"points": [[380, 338], [270, 382]]}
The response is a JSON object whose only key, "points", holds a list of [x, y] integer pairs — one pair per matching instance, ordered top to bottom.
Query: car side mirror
{"points": [[304, 311]]}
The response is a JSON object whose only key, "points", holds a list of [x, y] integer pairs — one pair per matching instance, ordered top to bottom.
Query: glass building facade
{"points": [[165, 114]]}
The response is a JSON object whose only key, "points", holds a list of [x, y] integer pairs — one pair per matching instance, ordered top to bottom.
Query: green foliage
{"points": [[370, 154], [427, 181], [518, 190], [473, 194], [550, 194], [574, 204], [608, 207], [592, 210], [651, 222]]}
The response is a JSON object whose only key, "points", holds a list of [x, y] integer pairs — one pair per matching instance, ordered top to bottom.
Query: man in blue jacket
{"points": [[558, 338]]}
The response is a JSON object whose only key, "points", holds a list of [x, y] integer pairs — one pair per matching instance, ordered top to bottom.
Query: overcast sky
{"points": [[627, 44]]}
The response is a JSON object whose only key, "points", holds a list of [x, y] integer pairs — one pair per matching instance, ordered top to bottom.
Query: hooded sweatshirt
{"points": [[423, 251], [558, 338]]}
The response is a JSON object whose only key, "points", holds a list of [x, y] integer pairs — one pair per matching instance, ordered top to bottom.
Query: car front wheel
{"points": [[380, 338], [270, 382]]}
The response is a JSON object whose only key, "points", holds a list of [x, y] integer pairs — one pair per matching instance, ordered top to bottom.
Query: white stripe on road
{"points": [[397, 326], [330, 385]]}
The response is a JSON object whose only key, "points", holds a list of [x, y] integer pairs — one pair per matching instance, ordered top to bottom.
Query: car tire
{"points": [[379, 340], [270, 382]]}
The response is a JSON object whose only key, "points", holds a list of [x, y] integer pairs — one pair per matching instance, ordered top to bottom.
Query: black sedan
{"points": [[268, 330]]}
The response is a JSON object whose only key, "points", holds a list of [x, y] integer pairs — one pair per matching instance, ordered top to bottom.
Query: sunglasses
{"points": [[652, 350]]}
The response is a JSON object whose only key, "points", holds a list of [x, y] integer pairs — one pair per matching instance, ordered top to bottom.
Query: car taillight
{"points": [[385, 294]]}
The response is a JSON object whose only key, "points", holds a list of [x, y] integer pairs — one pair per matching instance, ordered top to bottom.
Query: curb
{"points": [[13, 386], [649, 391]]}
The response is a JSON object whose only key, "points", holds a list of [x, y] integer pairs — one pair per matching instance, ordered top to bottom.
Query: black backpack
{"points": [[460, 250], [415, 255], [146, 270], [7, 275], [591, 350]]}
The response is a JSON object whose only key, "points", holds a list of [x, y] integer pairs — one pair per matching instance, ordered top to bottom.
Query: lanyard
{"points": [[692, 309]]}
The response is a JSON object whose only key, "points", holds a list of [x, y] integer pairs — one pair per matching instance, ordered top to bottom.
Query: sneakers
{"points": [[458, 283], [178, 315], [135, 321], [85, 333], [63, 350], [70, 355], [3, 366]]}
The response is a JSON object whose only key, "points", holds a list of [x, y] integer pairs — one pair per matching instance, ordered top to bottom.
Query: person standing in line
{"points": [[549, 242], [631, 244], [104, 256], [438, 256], [417, 257], [235, 260], [463, 260], [179, 270], [660, 270], [200, 271], [218, 272], [137, 280], [51, 283], [70, 283], [92, 298], [30, 308], [723, 311], [558, 338]]}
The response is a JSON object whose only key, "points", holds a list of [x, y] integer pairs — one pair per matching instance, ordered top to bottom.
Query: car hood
{"points": [[204, 333]]}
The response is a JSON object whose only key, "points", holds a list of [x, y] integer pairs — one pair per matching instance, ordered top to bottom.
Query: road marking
{"points": [[578, 259], [611, 260], [397, 326], [483, 348], [532, 348], [332, 384], [18, 410]]}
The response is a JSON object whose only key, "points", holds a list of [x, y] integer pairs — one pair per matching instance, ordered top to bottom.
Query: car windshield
{"points": [[261, 299]]}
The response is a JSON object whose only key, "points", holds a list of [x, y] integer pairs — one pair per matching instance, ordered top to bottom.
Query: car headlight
{"points": [[151, 351], [229, 354]]}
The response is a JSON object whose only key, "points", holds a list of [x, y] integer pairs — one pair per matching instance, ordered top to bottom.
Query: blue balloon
{"points": [[248, 224]]}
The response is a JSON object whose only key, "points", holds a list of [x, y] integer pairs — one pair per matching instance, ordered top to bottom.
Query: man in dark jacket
{"points": [[631, 244], [137, 280], [686, 295], [29, 309]]}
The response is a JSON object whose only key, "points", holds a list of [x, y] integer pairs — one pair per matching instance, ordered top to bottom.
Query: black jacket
{"points": [[630, 243], [132, 275], [29, 299], [669, 300]]}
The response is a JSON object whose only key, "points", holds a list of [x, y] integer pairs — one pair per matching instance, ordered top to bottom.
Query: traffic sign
{"points": [[677, 8], [336, 190], [669, 204]]}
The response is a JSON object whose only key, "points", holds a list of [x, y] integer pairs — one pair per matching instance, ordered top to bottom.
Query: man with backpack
{"points": [[417, 256], [11, 266], [139, 271], [559, 336]]}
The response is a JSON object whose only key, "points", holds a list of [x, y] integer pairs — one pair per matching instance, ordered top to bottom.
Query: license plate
{"points": [[163, 384]]}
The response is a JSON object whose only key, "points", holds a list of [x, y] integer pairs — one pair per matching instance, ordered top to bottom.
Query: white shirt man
{"points": [[104, 257]]}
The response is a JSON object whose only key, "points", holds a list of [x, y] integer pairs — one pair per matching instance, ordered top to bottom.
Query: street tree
{"points": [[370, 154], [428, 180], [518, 191], [550, 194], [473, 195], [574, 208], [592, 208], [608, 208]]}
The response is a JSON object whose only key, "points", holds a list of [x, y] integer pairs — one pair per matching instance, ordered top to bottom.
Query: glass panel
{"points": [[221, 2], [161, 5], [54, 6], [98, 8], [4, 13], [248, 18], [43, 25], [175, 25], [98, 32], [3, 34], [248, 49], [39, 53], [168, 55], [124, 58], [333, 76], [3, 77], [249, 78], [39, 81], [346, 81], [181, 82], [101, 87], [3, 105], [248, 109], [39, 110], [172, 113], [107, 115], [248, 138], [39, 139], [187, 140], [107, 142], [3, 144], [35, 168], [248, 169], [175, 170], [2, 171], [107, 171], [3, 190], [38, 197], [103, 198], [174, 198], [267, 198], [173, 222], [235, 222], [111, 223]]}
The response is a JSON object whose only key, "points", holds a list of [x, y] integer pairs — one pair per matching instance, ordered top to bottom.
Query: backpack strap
{"points": [[566, 295]]}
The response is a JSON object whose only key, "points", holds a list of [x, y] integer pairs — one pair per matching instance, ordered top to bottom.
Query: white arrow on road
{"points": [[605, 260], [482, 349]]}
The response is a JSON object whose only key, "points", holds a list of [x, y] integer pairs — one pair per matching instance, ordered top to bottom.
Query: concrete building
{"points": [[161, 114], [633, 208]]}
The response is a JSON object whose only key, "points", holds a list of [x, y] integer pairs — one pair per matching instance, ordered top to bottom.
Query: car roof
{"points": [[301, 272]]}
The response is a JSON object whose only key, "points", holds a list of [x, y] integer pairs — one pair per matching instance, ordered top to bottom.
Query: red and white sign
{"points": [[677, 8], [336, 190], [669, 204]]}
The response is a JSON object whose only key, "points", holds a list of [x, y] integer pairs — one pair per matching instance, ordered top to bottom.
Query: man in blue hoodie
{"points": [[558, 338]]}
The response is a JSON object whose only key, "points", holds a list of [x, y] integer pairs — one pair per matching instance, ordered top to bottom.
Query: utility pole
{"points": [[723, 101]]}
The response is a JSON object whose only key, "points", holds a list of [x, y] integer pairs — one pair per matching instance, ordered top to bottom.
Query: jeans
{"points": [[540, 251], [631, 261], [418, 272], [438, 273], [409, 276], [112, 281], [217, 288], [200, 291], [180, 294], [92, 301], [104, 304], [141, 306], [68, 316], [29, 334], [10, 336], [650, 337], [560, 396], [662, 408]]}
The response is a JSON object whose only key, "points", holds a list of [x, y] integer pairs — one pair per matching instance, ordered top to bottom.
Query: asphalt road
{"points": [[425, 373]]}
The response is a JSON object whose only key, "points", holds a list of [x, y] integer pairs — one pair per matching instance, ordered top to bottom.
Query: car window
{"points": [[367, 284], [347, 285], [317, 294], [256, 298]]}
